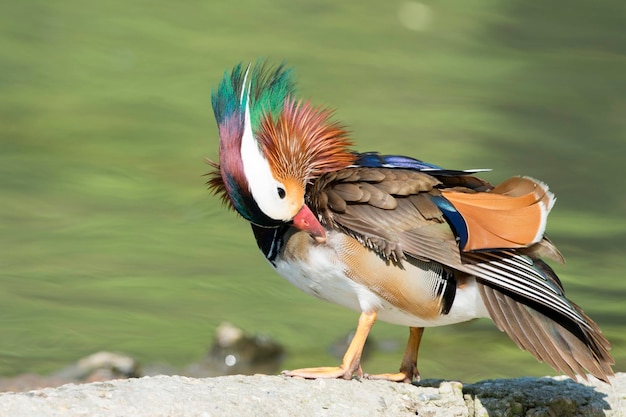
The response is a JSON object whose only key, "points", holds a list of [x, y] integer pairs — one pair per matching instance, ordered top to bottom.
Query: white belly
{"points": [[322, 274]]}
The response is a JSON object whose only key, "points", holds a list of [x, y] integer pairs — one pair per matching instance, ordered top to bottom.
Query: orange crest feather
{"points": [[303, 142]]}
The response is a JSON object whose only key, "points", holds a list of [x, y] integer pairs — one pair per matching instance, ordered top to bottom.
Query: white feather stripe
{"points": [[246, 87], [263, 186], [545, 207], [544, 221], [504, 254], [518, 265], [526, 265], [522, 269], [521, 281], [510, 285], [520, 286], [538, 290], [541, 293]]}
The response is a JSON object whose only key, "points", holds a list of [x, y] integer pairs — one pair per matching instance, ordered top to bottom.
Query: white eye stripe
{"points": [[245, 89], [263, 186]]}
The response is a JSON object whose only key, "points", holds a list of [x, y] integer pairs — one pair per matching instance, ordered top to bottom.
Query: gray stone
{"points": [[259, 395]]}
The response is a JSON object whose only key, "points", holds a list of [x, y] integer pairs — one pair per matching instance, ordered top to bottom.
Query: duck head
{"points": [[272, 146]]}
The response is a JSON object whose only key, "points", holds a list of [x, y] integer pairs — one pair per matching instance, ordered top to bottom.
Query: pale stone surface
{"points": [[259, 395]]}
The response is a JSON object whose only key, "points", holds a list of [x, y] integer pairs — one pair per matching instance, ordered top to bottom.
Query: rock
{"points": [[237, 352], [101, 366], [280, 396], [540, 397]]}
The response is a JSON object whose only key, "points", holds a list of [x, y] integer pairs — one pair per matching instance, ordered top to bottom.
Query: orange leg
{"points": [[351, 363], [408, 367]]}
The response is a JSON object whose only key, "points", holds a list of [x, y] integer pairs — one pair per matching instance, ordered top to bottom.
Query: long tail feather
{"points": [[551, 337]]}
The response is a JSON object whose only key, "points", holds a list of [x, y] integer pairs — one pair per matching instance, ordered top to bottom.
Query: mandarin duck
{"points": [[392, 237]]}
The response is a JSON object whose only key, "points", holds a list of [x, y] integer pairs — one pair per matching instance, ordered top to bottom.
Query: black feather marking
{"points": [[269, 240], [447, 291]]}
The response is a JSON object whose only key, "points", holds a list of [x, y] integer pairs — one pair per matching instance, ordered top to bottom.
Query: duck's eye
{"points": [[281, 192]]}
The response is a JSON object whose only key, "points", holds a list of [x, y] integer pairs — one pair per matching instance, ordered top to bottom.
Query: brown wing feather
{"points": [[359, 203], [390, 210], [523, 296]]}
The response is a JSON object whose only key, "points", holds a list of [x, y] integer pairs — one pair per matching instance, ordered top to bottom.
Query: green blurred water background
{"points": [[109, 239]]}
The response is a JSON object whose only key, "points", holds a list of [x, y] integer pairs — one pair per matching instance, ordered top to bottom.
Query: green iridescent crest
{"points": [[264, 85]]}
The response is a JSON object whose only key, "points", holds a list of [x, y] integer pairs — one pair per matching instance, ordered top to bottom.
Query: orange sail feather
{"points": [[512, 215]]}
